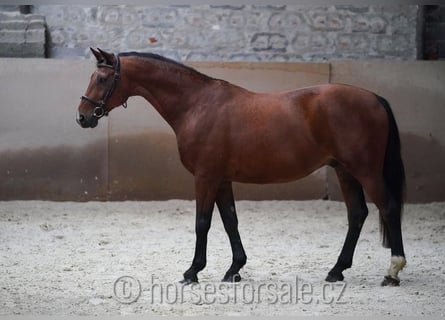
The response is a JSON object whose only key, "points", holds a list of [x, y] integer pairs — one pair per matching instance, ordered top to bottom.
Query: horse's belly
{"points": [[274, 168], [265, 179]]}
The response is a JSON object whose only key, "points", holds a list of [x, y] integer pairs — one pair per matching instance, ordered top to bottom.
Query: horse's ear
{"points": [[98, 55], [109, 58]]}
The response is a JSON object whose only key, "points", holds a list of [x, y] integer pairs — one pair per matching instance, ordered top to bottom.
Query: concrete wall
{"points": [[237, 33], [132, 154], [43, 155]]}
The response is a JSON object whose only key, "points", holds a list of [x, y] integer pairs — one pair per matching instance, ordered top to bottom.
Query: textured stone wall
{"points": [[237, 33]]}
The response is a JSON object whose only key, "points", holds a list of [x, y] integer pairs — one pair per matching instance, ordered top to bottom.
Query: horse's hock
{"points": [[22, 35]]}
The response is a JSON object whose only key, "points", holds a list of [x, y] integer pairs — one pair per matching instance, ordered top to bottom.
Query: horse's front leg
{"points": [[206, 190], [226, 206]]}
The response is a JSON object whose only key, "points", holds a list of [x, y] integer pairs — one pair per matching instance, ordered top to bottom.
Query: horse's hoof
{"points": [[334, 277], [232, 278], [187, 281], [390, 281]]}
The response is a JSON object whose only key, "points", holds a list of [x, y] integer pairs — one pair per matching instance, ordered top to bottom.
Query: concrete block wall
{"points": [[237, 33], [22, 35]]}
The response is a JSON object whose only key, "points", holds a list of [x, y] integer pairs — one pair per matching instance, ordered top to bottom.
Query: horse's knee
{"points": [[362, 214], [357, 216], [202, 226]]}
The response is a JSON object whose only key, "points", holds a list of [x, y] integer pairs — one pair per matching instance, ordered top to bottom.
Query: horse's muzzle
{"points": [[86, 122]]}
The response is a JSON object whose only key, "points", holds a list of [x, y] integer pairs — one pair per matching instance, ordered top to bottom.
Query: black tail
{"points": [[393, 170]]}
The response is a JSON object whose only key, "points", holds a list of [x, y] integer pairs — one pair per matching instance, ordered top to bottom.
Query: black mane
{"points": [[149, 55]]}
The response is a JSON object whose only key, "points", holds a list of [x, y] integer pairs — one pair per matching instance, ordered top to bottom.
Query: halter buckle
{"points": [[99, 112]]}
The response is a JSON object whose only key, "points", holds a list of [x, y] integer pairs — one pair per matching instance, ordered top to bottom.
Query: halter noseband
{"points": [[101, 109]]}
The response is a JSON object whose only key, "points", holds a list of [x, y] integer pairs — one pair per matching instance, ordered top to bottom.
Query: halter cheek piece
{"points": [[101, 109]]}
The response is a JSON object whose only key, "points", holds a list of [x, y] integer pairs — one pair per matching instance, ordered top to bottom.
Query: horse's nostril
{"points": [[80, 119]]}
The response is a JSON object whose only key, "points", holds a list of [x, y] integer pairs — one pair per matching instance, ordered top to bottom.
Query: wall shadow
{"points": [[144, 166], [147, 167], [55, 173]]}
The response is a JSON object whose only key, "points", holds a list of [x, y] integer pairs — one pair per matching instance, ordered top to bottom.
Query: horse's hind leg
{"points": [[226, 207], [357, 213], [390, 214]]}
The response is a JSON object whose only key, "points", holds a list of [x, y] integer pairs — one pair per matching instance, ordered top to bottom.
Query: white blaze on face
{"points": [[397, 264]]}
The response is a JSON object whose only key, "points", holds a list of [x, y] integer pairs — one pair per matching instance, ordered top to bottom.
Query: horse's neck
{"points": [[171, 91]]}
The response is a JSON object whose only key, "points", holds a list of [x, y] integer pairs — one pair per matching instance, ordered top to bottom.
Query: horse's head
{"points": [[104, 92]]}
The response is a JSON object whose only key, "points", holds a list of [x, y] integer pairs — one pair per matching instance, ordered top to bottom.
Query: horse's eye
{"points": [[101, 80]]}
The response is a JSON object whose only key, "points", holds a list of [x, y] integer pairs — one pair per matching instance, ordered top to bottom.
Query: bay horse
{"points": [[226, 133]]}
